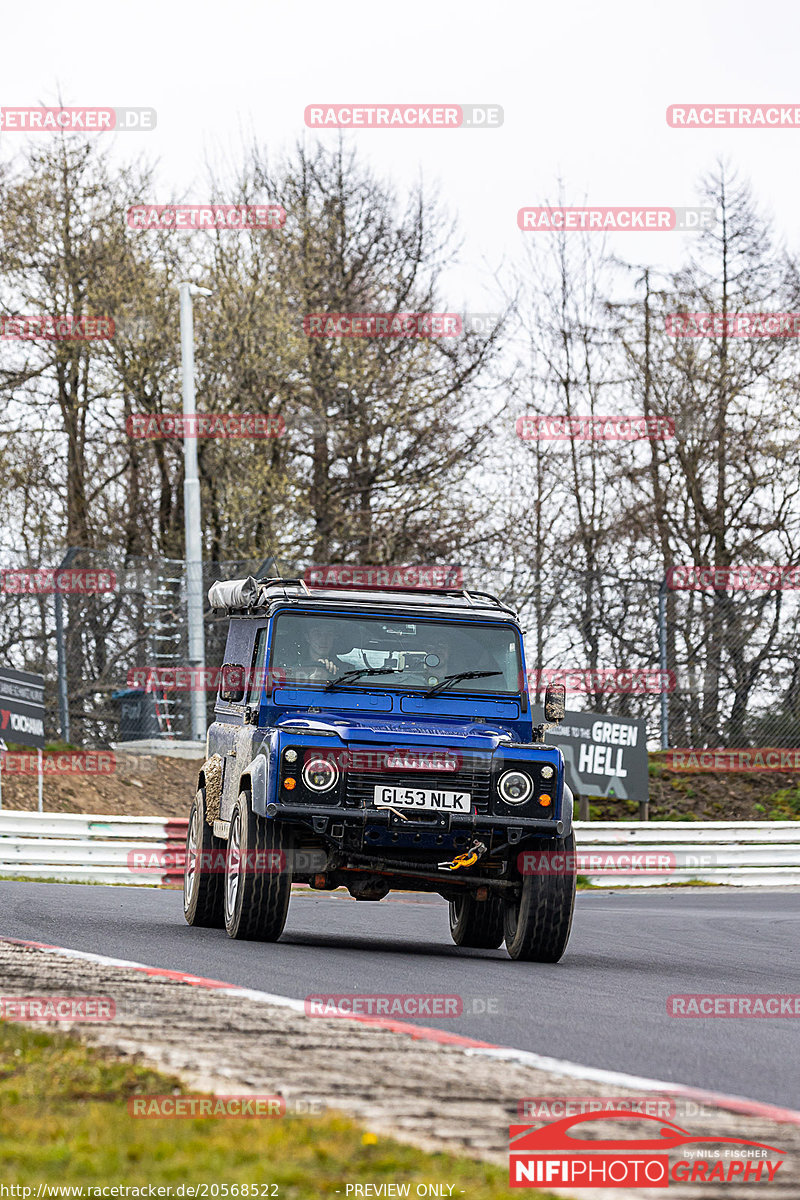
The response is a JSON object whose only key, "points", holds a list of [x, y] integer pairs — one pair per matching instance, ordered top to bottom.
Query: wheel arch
{"points": [[254, 781], [567, 809]]}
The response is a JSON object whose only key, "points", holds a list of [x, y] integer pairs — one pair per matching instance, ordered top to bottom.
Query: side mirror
{"points": [[231, 686], [555, 701]]}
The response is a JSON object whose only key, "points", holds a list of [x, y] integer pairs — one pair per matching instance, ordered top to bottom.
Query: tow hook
{"points": [[467, 859]]}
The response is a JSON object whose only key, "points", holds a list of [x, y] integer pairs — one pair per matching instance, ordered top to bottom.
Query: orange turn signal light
{"points": [[289, 784], [545, 800]]}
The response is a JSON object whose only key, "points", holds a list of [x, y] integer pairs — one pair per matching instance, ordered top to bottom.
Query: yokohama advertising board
{"points": [[22, 708]]}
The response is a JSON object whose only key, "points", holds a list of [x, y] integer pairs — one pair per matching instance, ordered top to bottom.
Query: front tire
{"points": [[202, 872], [258, 875], [537, 923], [477, 924]]}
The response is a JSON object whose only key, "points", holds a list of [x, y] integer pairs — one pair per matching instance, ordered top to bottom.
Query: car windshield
{"points": [[417, 654]]}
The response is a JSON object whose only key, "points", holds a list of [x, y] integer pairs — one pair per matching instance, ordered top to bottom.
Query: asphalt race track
{"points": [[603, 1006]]}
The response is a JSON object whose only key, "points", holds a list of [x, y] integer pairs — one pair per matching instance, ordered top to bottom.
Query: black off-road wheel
{"points": [[202, 872], [258, 875], [538, 921], [477, 924]]}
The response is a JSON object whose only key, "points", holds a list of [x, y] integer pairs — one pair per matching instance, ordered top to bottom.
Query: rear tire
{"points": [[202, 873], [258, 876], [537, 923], [477, 924]]}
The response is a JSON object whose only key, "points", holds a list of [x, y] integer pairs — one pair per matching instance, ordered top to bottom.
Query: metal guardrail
{"points": [[79, 848], [128, 850], [739, 853]]}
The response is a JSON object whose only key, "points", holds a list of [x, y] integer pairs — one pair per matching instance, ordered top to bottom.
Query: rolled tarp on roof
{"points": [[233, 593]]}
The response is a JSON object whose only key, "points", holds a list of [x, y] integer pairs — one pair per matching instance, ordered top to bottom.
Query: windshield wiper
{"points": [[351, 675], [448, 679]]}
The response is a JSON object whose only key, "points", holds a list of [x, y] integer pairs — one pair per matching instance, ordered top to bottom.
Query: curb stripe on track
{"points": [[554, 1066]]}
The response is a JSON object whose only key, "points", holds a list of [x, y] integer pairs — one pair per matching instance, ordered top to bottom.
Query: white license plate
{"points": [[423, 799]]}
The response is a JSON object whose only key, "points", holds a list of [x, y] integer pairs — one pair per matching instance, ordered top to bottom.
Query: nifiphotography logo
{"points": [[568, 1153]]}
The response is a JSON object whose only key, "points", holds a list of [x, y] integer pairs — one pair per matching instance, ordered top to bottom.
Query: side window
{"points": [[256, 681]]}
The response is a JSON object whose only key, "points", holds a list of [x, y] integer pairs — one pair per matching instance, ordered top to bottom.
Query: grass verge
{"points": [[65, 1121]]}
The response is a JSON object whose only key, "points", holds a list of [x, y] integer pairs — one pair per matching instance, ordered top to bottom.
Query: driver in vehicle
{"points": [[317, 657]]}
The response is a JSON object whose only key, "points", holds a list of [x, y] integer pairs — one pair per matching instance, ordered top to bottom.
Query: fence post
{"points": [[61, 654], [662, 654]]}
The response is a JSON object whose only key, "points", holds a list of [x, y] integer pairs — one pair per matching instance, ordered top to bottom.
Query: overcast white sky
{"points": [[584, 87]]}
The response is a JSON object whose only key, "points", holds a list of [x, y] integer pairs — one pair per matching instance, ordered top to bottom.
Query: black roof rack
{"points": [[383, 596]]}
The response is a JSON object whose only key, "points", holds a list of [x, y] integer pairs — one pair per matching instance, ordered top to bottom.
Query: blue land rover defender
{"points": [[377, 740]]}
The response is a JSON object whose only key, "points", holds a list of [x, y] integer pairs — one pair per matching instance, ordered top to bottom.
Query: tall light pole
{"points": [[191, 512]]}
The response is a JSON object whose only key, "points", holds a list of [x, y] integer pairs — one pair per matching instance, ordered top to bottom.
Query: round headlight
{"points": [[291, 756], [547, 772], [320, 774], [514, 787]]}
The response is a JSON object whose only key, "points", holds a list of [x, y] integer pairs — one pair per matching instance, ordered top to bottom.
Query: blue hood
{"points": [[469, 735]]}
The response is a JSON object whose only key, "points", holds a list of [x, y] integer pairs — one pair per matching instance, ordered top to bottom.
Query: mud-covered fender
{"points": [[210, 778]]}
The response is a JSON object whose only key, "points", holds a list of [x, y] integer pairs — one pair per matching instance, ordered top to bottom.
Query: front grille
{"points": [[472, 776]]}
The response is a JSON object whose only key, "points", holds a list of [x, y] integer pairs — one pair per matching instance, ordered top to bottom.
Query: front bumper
{"points": [[330, 820]]}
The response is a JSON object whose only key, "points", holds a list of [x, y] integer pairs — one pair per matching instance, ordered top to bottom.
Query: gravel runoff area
{"points": [[435, 1095]]}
